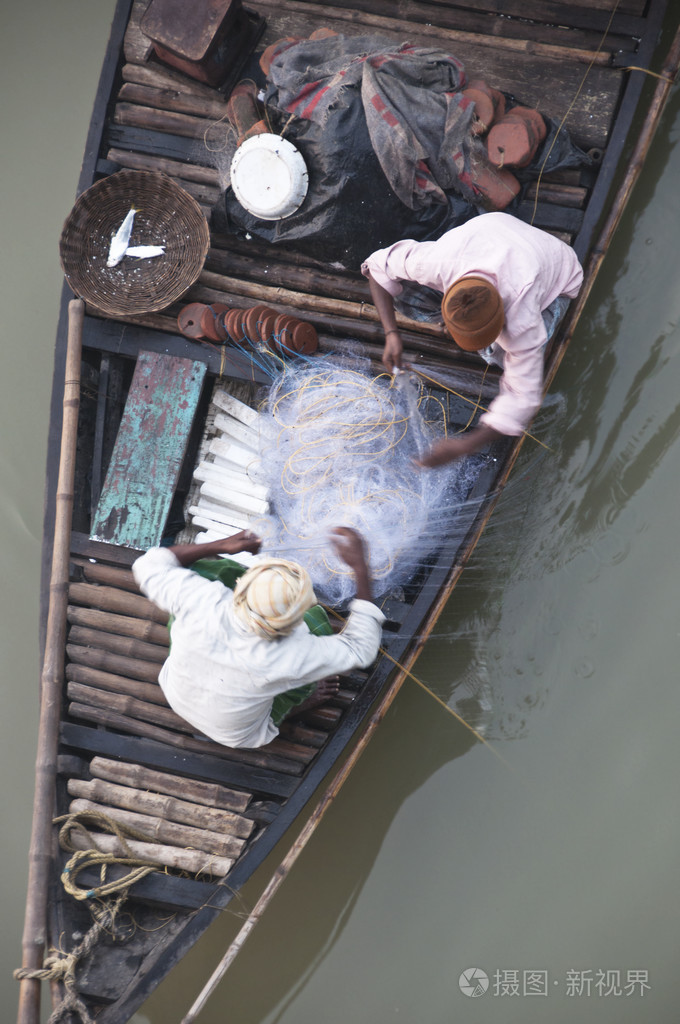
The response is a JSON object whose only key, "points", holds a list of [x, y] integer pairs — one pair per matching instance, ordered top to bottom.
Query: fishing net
{"points": [[337, 450]]}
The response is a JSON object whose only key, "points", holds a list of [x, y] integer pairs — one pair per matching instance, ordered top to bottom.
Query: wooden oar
{"points": [[40, 852]]}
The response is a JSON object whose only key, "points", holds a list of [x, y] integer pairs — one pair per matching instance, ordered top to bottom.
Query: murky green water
{"points": [[552, 870]]}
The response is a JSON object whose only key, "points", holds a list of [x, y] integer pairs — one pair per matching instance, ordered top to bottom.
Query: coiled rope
{"points": [[61, 966]]}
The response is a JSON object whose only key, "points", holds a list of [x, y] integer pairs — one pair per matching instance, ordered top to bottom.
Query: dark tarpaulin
{"points": [[338, 99], [385, 134]]}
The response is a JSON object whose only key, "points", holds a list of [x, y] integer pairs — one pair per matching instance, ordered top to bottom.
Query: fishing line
{"points": [[571, 105], [476, 403], [337, 447], [423, 686], [446, 707]]}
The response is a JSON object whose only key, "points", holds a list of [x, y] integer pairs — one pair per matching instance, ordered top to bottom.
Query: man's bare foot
{"points": [[325, 689]]}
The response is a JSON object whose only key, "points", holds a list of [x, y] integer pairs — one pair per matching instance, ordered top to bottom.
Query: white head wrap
{"points": [[272, 597]]}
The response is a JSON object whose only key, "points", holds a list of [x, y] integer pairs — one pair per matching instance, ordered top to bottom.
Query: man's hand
{"points": [[384, 303], [392, 352], [455, 447], [441, 453], [246, 540], [350, 548], [187, 554]]}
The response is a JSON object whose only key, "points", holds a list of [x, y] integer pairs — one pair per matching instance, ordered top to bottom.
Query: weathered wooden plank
{"points": [[570, 17], [556, 23], [137, 47], [558, 82], [163, 144], [119, 336], [149, 450], [82, 546], [190, 763], [160, 889]]}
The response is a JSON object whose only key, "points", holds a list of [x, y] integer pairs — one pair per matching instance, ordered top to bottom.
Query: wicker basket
{"points": [[166, 215]]}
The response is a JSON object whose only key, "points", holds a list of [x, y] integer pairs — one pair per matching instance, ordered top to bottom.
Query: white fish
{"points": [[119, 241], [144, 252]]}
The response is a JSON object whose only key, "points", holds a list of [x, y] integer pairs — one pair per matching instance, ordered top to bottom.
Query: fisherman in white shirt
{"points": [[236, 654]]}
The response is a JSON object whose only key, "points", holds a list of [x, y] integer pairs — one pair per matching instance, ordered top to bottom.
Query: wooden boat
{"points": [[107, 738]]}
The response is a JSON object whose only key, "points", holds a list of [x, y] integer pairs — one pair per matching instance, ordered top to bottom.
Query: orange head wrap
{"points": [[473, 313]]}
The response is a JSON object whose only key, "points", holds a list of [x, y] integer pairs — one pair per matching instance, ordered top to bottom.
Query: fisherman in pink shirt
{"points": [[497, 276]]}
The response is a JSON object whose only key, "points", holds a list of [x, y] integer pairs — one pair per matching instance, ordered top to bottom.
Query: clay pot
{"points": [[323, 33], [273, 49], [489, 104], [243, 111], [514, 139], [498, 187], [189, 320], [251, 321], [212, 322], [232, 323], [265, 329], [283, 333], [304, 338]]}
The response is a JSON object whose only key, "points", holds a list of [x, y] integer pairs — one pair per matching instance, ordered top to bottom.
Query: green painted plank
{"points": [[149, 449]]}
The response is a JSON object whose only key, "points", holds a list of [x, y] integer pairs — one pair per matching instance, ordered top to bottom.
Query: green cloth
{"points": [[227, 572]]}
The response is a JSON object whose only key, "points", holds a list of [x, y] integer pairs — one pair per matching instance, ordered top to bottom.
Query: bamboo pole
{"points": [[162, 77], [162, 97], [185, 125], [173, 168], [267, 268], [306, 301], [112, 575], [111, 599], [120, 625], [88, 636], [132, 668], [94, 677], [131, 707], [163, 716], [211, 794], [161, 805], [170, 833], [39, 858], [194, 862], [284, 868]]}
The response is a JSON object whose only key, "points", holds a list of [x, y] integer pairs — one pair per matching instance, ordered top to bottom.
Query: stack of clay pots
{"points": [[511, 137], [257, 326]]}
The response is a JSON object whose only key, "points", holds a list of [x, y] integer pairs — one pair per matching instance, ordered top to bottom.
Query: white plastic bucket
{"points": [[269, 177]]}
